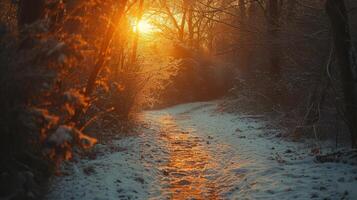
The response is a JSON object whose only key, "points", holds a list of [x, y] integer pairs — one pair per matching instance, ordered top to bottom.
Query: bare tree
{"points": [[337, 13], [273, 18], [105, 46]]}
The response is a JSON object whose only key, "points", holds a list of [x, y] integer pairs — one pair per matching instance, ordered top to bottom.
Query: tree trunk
{"points": [[242, 8], [291, 9], [336, 10], [30, 11], [183, 23], [190, 25], [137, 33], [104, 48], [243, 49], [274, 66]]}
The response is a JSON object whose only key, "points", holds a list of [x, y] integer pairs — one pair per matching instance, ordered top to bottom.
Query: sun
{"points": [[144, 26]]}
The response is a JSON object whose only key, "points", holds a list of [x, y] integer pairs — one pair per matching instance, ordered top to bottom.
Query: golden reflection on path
{"points": [[187, 166]]}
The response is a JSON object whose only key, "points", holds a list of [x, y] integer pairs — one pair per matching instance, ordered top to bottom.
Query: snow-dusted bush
{"points": [[45, 73]]}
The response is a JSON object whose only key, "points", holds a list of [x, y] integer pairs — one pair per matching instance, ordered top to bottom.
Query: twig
{"points": [[95, 118]]}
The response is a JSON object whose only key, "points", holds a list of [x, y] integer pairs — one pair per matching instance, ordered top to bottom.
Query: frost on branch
{"points": [[59, 144]]}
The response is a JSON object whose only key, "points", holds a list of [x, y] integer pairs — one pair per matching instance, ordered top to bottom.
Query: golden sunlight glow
{"points": [[144, 26], [187, 163]]}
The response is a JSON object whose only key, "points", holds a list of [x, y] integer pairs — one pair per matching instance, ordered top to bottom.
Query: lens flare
{"points": [[144, 27]]}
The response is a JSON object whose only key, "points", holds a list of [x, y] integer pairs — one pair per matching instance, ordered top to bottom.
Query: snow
{"points": [[61, 135], [192, 151]]}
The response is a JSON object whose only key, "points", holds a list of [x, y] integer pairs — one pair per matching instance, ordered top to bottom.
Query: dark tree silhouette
{"points": [[30, 11], [273, 11], [337, 13]]}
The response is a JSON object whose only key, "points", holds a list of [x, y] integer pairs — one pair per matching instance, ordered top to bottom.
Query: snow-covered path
{"points": [[192, 151]]}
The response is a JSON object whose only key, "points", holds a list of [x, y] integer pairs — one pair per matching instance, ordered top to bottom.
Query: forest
{"points": [[178, 99]]}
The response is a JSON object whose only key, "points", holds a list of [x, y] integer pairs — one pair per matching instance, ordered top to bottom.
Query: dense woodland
{"points": [[69, 68]]}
